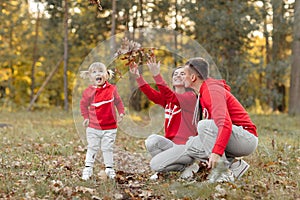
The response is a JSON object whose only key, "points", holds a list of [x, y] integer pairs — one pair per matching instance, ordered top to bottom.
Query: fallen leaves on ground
{"points": [[45, 161]]}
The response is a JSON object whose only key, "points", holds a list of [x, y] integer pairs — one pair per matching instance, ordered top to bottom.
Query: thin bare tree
{"points": [[35, 52], [66, 102]]}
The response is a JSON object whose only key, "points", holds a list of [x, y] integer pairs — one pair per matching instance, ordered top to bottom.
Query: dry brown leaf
{"points": [[133, 52], [102, 175], [56, 185], [84, 189]]}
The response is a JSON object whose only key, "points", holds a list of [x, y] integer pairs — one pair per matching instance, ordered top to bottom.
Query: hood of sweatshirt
{"points": [[211, 83]]}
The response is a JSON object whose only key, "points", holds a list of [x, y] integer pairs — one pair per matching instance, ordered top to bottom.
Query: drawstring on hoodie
{"points": [[196, 112]]}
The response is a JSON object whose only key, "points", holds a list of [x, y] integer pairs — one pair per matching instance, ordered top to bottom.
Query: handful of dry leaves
{"points": [[97, 2], [133, 52]]}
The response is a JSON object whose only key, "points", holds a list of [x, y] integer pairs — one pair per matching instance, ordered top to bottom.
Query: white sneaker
{"points": [[239, 168], [189, 171], [110, 172], [87, 173], [154, 176]]}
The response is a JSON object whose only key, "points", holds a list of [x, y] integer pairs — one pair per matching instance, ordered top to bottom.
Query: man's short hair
{"points": [[200, 66]]}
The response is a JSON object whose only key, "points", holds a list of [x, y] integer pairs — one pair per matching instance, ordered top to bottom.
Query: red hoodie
{"points": [[97, 105], [220, 105], [179, 109]]}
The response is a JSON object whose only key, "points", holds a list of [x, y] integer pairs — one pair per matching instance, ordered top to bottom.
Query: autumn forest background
{"points": [[254, 44]]}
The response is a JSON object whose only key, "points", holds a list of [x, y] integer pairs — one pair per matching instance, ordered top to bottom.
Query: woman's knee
{"points": [[150, 142]]}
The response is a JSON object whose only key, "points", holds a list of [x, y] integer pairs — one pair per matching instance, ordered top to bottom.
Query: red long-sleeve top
{"points": [[98, 105], [220, 105], [179, 109]]}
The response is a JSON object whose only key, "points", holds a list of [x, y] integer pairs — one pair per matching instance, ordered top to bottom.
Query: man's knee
{"points": [[202, 124], [206, 124]]}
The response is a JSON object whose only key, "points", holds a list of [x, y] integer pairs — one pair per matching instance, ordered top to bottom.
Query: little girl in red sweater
{"points": [[97, 107]]}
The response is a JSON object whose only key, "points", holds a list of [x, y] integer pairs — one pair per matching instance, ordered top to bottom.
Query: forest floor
{"points": [[42, 157]]}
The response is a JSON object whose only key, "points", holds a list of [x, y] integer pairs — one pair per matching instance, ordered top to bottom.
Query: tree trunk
{"points": [[113, 28], [175, 34], [277, 44], [267, 46], [34, 53], [11, 65], [49, 77], [66, 102], [294, 103]]}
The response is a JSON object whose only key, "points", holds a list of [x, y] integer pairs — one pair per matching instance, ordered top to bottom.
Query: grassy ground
{"points": [[42, 158]]}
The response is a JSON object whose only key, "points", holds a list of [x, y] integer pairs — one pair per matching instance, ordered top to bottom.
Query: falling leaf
{"points": [[96, 2]]}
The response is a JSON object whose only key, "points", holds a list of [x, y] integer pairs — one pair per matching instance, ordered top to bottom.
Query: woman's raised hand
{"points": [[153, 66], [133, 68]]}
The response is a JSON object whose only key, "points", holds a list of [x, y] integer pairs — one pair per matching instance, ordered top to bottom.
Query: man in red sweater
{"points": [[226, 129]]}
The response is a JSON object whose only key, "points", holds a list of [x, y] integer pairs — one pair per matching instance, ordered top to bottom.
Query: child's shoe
{"points": [[110, 172], [87, 173]]}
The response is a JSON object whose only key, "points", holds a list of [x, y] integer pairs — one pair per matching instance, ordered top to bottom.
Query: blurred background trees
{"points": [[250, 42]]}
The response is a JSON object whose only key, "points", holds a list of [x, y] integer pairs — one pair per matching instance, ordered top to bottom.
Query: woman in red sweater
{"points": [[97, 107], [179, 108]]}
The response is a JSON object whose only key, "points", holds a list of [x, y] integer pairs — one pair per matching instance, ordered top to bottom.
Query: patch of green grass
{"points": [[42, 157]]}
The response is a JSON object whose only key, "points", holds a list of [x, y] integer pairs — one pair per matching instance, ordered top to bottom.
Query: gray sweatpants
{"points": [[97, 139], [241, 143], [156, 144], [159, 146]]}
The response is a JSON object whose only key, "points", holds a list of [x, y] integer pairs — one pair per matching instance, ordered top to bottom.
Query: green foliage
{"points": [[224, 28]]}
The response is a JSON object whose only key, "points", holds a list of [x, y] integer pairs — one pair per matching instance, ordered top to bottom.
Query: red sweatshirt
{"points": [[97, 105], [220, 105], [179, 109]]}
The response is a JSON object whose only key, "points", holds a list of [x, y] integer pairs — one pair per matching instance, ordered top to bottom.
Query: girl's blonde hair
{"points": [[85, 74]]}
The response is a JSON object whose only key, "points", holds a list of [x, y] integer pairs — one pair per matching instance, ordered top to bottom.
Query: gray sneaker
{"points": [[239, 168], [189, 171], [220, 173], [226, 176]]}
